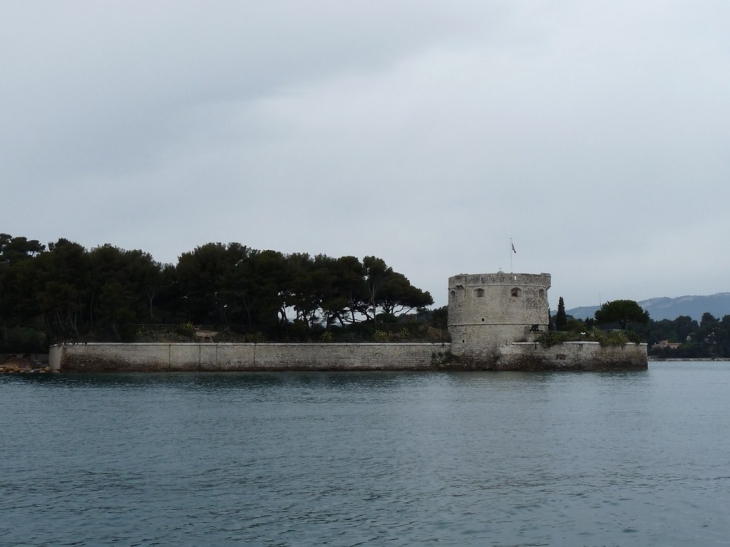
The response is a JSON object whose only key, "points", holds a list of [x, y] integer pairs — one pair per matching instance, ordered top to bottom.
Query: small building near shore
{"points": [[666, 344]]}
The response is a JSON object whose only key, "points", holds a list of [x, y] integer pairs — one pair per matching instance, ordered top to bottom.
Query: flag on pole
{"points": [[514, 251]]}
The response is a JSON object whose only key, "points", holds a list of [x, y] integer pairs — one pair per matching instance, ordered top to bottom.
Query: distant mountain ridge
{"points": [[671, 308]]}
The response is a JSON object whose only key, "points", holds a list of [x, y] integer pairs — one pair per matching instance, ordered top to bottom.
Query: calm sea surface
{"points": [[639, 458]]}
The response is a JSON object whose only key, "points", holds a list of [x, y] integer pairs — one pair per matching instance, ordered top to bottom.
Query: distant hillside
{"points": [[671, 308]]}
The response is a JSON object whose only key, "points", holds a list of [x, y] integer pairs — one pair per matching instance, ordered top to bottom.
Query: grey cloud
{"points": [[428, 133]]}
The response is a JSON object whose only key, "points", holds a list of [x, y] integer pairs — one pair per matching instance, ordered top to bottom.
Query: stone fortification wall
{"points": [[486, 310], [480, 340], [571, 356], [245, 357], [279, 357]]}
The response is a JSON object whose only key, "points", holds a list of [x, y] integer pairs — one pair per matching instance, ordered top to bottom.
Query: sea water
{"points": [[344, 459]]}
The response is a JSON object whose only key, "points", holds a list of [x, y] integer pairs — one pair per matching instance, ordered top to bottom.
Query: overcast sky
{"points": [[595, 134]]}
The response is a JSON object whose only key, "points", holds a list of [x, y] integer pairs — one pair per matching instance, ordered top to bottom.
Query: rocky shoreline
{"points": [[24, 365]]}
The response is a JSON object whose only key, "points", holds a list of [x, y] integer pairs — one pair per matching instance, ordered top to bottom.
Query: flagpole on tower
{"points": [[511, 252]]}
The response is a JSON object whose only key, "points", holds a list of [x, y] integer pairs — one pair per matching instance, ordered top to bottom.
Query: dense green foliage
{"points": [[66, 292], [622, 312], [552, 338], [709, 338]]}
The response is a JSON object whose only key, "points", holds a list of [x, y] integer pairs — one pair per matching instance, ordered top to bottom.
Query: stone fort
{"points": [[493, 309], [494, 322]]}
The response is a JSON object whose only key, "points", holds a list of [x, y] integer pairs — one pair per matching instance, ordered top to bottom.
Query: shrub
{"points": [[381, 336], [552, 338], [612, 338]]}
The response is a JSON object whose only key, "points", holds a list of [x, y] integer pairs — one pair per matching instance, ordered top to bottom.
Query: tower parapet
{"points": [[488, 310]]}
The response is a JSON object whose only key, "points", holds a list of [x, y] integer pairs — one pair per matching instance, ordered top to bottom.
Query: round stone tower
{"points": [[488, 310]]}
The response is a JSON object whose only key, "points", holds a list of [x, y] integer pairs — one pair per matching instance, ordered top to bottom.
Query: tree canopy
{"points": [[64, 291], [622, 312]]}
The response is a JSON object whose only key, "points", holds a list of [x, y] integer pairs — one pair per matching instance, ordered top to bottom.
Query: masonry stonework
{"points": [[488, 310], [496, 318], [146, 357]]}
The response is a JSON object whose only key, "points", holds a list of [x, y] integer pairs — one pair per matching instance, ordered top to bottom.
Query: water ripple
{"points": [[349, 459]]}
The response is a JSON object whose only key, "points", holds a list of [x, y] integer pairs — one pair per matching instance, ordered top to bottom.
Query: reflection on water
{"points": [[509, 458]]}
